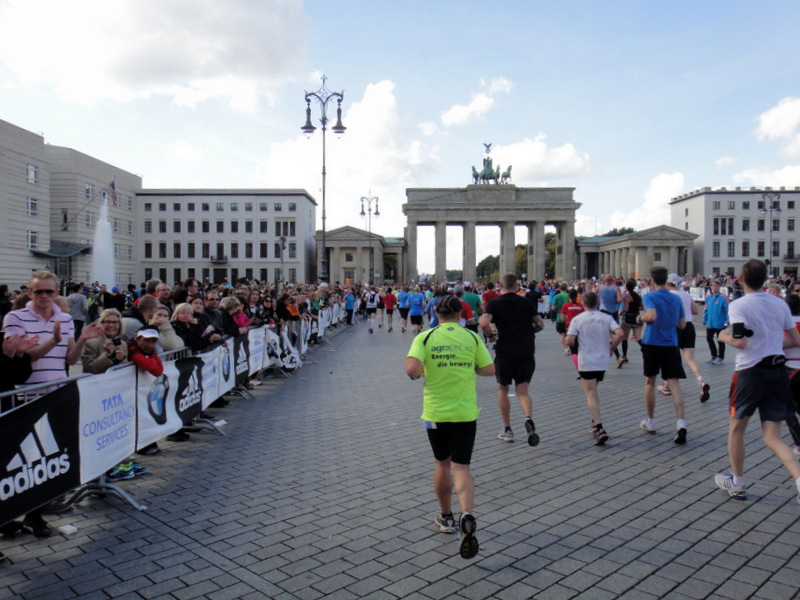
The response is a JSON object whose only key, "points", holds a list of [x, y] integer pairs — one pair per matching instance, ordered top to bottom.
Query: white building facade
{"points": [[735, 225]]}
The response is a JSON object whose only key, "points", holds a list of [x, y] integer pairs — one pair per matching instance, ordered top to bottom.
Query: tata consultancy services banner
{"points": [[107, 421], [40, 454]]}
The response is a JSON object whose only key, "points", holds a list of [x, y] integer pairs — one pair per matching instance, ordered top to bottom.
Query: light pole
{"points": [[323, 95], [770, 199], [368, 214], [282, 240]]}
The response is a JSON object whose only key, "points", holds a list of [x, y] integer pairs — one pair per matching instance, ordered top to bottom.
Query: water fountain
{"points": [[103, 250]]}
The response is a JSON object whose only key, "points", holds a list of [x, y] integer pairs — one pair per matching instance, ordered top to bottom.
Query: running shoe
{"points": [[621, 361], [719, 361], [664, 389], [705, 391], [648, 425], [530, 429], [506, 435], [680, 436], [600, 437], [138, 469], [120, 472], [725, 482], [446, 523], [469, 543]]}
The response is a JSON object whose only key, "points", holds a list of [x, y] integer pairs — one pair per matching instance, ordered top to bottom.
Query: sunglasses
{"points": [[44, 292]]}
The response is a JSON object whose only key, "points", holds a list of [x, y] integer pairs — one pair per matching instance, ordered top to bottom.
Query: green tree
{"points": [[616, 232], [550, 255], [390, 266], [487, 268]]}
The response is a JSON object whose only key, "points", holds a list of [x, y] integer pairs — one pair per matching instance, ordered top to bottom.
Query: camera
{"points": [[740, 331], [116, 341]]}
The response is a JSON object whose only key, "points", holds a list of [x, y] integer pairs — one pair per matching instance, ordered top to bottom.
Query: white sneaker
{"points": [[719, 361], [664, 389], [648, 425], [506, 435], [725, 482], [446, 523]]}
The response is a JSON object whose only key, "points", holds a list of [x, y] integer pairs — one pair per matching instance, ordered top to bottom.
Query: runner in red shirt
{"points": [[389, 302]]}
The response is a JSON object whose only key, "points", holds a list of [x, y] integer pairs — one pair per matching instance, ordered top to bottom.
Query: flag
{"points": [[111, 191]]}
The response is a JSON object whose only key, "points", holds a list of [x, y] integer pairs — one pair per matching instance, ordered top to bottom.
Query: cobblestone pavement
{"points": [[322, 489]]}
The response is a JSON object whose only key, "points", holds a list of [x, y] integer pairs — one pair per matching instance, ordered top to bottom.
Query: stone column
{"points": [[568, 239], [507, 248], [377, 250], [536, 250], [441, 251], [411, 252], [469, 258], [673, 260], [690, 260], [335, 271]]}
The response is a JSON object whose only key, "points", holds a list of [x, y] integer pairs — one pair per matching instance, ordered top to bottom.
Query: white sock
{"points": [[681, 424], [740, 480], [797, 483]]}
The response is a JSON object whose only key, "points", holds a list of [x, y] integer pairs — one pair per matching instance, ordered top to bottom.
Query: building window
{"points": [[33, 174], [88, 191], [746, 204], [790, 204], [715, 205], [731, 205], [761, 205], [220, 206], [32, 207], [148, 207], [162, 207], [176, 207], [190, 207], [204, 207], [234, 207], [248, 207], [277, 207], [292, 207], [685, 212], [90, 218], [745, 224], [776, 224], [789, 224], [115, 225], [686, 225], [730, 225], [760, 225], [189, 226], [220, 226], [234, 226], [263, 226], [716, 226], [130, 227], [148, 227], [162, 227], [176, 227], [206, 227], [248, 227], [292, 228], [32, 240], [776, 248], [205, 249], [731, 249], [745, 249], [760, 249], [790, 249], [148, 250], [162, 250], [176, 250], [190, 250], [234, 250], [248, 250], [262, 250], [277, 250], [292, 250], [715, 250], [116, 251], [129, 253], [656, 256], [348, 257], [176, 274], [263, 275], [293, 275]]}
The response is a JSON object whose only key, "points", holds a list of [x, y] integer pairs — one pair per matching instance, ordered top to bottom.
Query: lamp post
{"points": [[322, 96], [770, 199], [368, 214], [282, 240]]}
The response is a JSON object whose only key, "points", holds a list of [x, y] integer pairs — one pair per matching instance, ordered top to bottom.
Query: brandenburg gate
{"points": [[501, 205]]}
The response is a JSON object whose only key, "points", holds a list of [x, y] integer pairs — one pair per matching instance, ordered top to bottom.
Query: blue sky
{"points": [[631, 103]]}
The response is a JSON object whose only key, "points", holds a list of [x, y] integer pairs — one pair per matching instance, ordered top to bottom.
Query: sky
{"points": [[632, 103]]}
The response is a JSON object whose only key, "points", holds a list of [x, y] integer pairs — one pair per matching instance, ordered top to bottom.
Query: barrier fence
{"points": [[71, 436]]}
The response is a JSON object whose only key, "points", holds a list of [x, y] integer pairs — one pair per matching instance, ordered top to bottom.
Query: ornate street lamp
{"points": [[323, 95], [770, 206], [368, 214]]}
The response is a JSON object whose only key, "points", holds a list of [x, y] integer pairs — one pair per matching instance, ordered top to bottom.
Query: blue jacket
{"points": [[715, 315]]}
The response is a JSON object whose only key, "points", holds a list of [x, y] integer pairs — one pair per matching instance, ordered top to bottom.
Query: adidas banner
{"points": [[255, 340], [241, 358], [107, 422], [40, 455]]}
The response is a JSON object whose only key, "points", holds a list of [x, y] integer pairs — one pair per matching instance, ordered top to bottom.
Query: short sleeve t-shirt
{"points": [[416, 302], [669, 311], [513, 315], [768, 317], [593, 329], [450, 354]]}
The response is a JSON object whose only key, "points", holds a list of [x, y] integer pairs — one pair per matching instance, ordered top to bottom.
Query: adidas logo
{"points": [[242, 362], [193, 393], [37, 462]]}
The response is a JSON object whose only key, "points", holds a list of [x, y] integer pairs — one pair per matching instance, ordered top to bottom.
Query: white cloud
{"points": [[128, 49], [480, 104], [780, 123], [428, 128], [185, 152], [724, 161], [534, 163], [788, 176], [655, 208]]}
